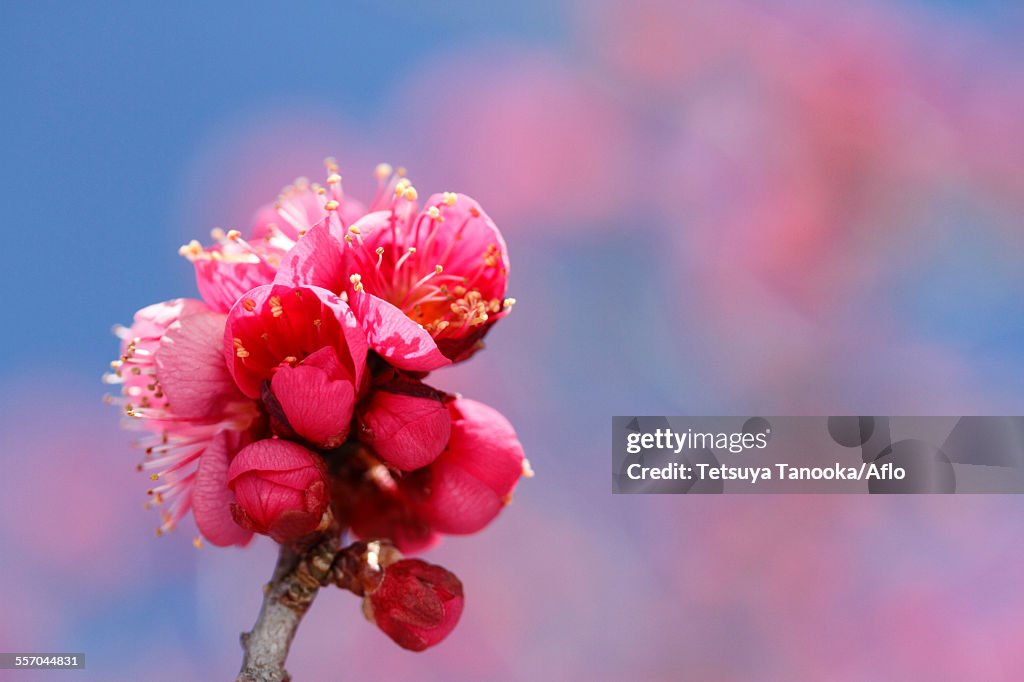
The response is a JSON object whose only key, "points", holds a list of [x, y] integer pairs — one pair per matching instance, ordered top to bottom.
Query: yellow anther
{"points": [[331, 164], [383, 170], [401, 171], [333, 179], [411, 194], [449, 198], [331, 205], [434, 212], [354, 229], [234, 235], [191, 250], [379, 250], [438, 269], [509, 302], [275, 306], [527, 469], [197, 542]]}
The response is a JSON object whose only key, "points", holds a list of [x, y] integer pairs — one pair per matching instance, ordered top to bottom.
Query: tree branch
{"points": [[286, 598]]}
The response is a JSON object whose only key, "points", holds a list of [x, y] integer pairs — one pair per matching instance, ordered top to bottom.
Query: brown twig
{"points": [[286, 598]]}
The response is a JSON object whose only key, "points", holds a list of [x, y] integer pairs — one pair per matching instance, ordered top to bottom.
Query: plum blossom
{"points": [[233, 265], [427, 285], [302, 351], [292, 402]]}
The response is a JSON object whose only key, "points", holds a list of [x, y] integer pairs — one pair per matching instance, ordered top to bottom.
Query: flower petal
{"points": [[317, 259], [221, 282], [275, 323], [400, 341], [190, 366], [317, 406], [406, 423], [466, 487], [211, 498]]}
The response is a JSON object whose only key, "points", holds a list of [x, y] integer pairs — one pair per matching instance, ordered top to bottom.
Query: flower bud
{"points": [[405, 422], [468, 485], [280, 489], [417, 604]]}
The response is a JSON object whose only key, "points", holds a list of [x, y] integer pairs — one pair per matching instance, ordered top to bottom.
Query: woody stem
{"points": [[286, 598]]}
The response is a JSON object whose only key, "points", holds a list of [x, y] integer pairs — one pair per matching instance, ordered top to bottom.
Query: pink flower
{"points": [[303, 204], [234, 265], [444, 269], [427, 285], [302, 351], [176, 387], [265, 411], [405, 422], [465, 488], [280, 489], [416, 604]]}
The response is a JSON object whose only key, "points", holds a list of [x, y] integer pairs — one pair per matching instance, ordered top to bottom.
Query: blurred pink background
{"points": [[732, 207]]}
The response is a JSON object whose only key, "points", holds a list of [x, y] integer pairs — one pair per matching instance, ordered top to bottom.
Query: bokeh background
{"points": [[792, 207]]}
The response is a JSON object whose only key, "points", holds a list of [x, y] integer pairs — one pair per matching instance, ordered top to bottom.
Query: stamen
{"points": [[411, 250]]}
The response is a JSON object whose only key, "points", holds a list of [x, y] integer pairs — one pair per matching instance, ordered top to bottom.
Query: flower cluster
{"points": [[291, 400]]}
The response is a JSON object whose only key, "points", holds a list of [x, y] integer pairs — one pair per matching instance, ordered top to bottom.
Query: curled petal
{"points": [[317, 259], [400, 341], [317, 405], [211, 498]]}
